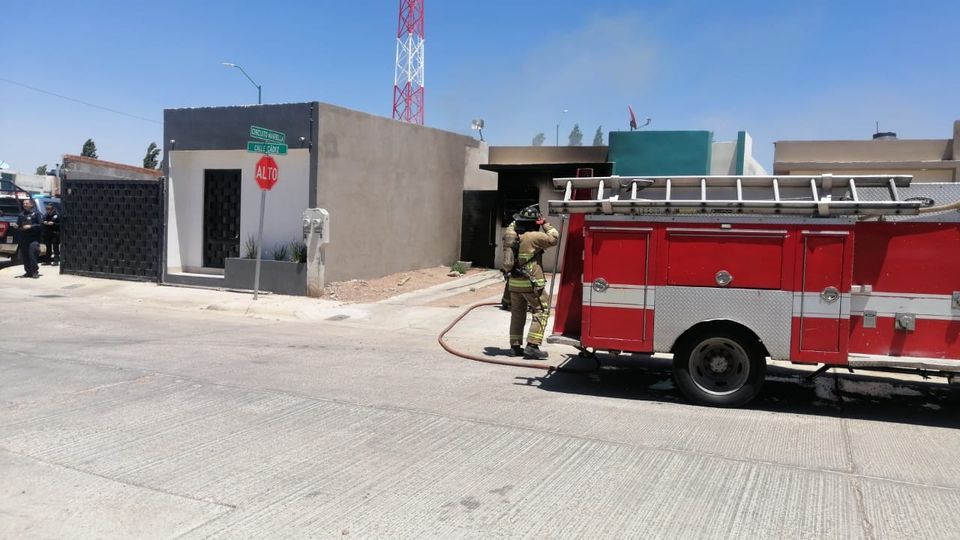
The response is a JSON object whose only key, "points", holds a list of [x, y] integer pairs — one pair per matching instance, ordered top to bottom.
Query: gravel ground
{"points": [[374, 290]]}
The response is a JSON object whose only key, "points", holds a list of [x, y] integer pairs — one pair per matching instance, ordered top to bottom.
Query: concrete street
{"points": [[129, 410]]}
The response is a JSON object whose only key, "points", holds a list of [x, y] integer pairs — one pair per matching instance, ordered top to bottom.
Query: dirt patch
{"points": [[374, 290]]}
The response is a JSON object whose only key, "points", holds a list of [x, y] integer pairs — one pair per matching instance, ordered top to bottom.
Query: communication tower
{"points": [[408, 76]]}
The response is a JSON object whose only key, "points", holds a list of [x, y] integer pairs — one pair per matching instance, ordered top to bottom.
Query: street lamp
{"points": [[231, 64], [558, 127]]}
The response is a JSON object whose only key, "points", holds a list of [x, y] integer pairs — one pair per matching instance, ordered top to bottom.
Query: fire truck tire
{"points": [[719, 368]]}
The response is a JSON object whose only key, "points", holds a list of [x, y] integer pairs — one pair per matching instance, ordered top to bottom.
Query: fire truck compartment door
{"points": [[618, 301], [821, 309]]}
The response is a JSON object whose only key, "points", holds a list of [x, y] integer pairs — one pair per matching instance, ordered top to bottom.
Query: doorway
{"points": [[221, 216]]}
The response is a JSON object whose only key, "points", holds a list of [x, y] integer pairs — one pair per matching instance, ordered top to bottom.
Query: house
{"points": [[393, 191]]}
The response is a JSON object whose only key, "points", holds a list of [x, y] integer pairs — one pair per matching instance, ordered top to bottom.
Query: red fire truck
{"points": [[725, 272]]}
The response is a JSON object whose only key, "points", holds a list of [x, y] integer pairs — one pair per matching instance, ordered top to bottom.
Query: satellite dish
{"points": [[477, 125]]}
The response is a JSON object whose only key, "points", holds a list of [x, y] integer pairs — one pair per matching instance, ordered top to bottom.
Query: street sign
{"points": [[268, 135], [256, 147], [267, 173]]}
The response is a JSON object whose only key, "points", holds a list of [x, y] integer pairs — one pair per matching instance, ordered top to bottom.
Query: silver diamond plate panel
{"points": [[941, 192], [767, 313]]}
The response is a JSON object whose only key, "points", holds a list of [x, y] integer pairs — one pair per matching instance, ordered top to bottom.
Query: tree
{"points": [[576, 136], [598, 137], [539, 138], [89, 149], [150, 160], [41, 170]]}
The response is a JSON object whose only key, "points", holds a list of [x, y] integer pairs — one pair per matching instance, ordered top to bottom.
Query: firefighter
{"points": [[509, 237], [527, 282]]}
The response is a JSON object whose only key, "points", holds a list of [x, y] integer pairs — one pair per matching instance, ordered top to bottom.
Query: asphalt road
{"points": [[119, 419]]}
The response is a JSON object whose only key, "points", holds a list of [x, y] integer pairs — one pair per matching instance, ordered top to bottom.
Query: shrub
{"points": [[250, 248], [298, 251], [281, 252], [459, 267]]}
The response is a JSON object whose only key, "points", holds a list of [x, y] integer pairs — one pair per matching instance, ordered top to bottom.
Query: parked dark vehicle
{"points": [[11, 204]]}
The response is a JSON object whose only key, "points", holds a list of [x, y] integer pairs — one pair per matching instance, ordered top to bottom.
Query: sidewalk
{"points": [[405, 312]]}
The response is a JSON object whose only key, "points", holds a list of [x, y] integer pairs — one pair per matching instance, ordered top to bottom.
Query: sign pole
{"points": [[266, 173], [256, 274]]}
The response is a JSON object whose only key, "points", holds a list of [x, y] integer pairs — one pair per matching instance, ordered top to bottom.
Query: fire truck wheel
{"points": [[719, 368]]}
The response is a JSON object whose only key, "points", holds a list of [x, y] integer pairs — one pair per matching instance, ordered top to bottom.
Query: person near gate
{"points": [[29, 223], [51, 234], [509, 237], [527, 282]]}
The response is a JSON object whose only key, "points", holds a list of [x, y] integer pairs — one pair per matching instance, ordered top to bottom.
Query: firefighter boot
{"points": [[517, 350], [533, 352]]}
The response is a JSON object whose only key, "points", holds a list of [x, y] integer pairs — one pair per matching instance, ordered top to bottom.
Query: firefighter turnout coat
{"points": [[526, 273]]}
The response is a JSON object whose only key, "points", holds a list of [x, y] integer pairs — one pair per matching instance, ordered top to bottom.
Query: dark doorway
{"points": [[221, 216], [478, 240]]}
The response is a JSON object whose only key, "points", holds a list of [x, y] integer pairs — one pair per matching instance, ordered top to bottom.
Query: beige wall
{"points": [[931, 160], [476, 179], [393, 190]]}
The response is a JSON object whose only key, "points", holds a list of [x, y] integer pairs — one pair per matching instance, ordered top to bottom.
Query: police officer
{"points": [[29, 223], [51, 234], [527, 282]]}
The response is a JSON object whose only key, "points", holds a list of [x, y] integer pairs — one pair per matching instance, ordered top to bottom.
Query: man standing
{"points": [[29, 224], [51, 234], [527, 282]]}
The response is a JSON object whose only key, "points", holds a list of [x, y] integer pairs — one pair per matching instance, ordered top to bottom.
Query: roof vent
{"points": [[885, 136]]}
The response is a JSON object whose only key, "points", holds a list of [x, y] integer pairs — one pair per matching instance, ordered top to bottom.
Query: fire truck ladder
{"points": [[821, 195]]}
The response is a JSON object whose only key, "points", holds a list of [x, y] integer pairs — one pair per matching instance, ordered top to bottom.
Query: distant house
{"points": [[927, 160]]}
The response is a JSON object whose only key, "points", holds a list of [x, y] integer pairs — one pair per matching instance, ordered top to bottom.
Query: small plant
{"points": [[250, 248], [298, 251], [281, 252], [459, 267]]}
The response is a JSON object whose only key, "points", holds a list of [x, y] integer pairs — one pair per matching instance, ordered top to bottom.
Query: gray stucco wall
{"points": [[228, 128], [393, 190]]}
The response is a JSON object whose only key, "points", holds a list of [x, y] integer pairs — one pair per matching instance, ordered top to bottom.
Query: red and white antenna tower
{"points": [[408, 77]]}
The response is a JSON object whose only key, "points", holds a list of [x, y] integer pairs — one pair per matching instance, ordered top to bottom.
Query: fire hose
{"points": [[516, 363]]}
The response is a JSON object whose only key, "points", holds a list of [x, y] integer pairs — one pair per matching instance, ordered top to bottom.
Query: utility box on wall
{"points": [[316, 224], [316, 234]]}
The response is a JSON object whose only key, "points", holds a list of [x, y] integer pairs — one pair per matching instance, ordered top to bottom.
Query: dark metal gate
{"points": [[221, 216], [113, 228]]}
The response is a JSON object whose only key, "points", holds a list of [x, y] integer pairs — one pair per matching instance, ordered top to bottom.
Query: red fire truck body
{"points": [[813, 273]]}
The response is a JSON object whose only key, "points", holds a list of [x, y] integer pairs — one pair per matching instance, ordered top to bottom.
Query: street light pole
{"points": [[230, 64], [558, 127]]}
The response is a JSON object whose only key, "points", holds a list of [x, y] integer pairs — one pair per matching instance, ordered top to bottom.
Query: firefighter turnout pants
{"points": [[536, 300]]}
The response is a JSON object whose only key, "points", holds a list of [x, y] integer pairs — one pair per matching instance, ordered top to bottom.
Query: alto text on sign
{"points": [[267, 173]]}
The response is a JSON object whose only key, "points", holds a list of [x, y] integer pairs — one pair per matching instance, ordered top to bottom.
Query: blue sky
{"points": [[780, 70]]}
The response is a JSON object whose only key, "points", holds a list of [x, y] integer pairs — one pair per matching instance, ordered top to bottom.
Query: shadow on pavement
{"points": [[862, 395]]}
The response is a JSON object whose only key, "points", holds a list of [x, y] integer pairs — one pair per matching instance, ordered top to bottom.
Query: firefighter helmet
{"points": [[530, 213]]}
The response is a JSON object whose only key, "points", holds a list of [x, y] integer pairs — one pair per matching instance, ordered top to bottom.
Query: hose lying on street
{"points": [[503, 362]]}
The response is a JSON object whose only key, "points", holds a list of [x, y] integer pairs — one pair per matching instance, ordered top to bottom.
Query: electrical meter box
{"points": [[316, 223]]}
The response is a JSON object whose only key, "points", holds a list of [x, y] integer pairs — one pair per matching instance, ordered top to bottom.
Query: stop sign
{"points": [[267, 173]]}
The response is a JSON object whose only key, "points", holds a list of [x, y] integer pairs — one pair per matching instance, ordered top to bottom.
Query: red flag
{"points": [[633, 118]]}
